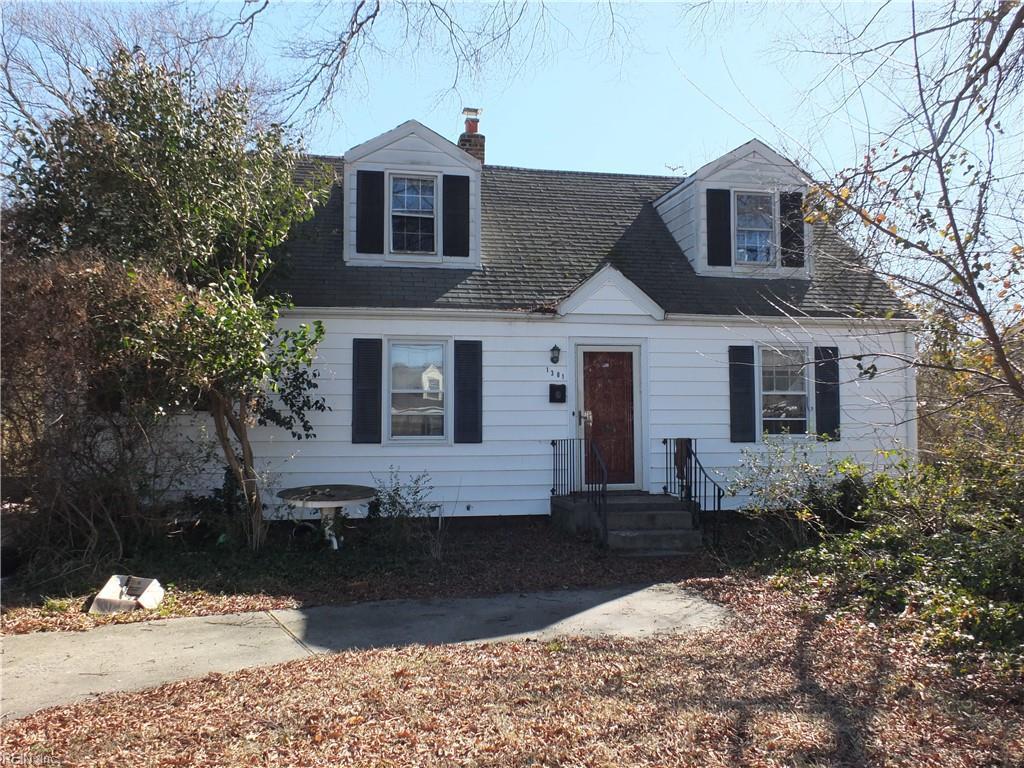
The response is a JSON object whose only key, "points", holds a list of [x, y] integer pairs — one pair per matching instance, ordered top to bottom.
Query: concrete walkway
{"points": [[49, 668]]}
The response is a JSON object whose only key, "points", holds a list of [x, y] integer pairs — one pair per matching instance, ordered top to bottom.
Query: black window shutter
{"points": [[455, 204], [369, 211], [791, 214], [719, 227], [366, 390], [826, 391], [469, 392], [742, 406]]}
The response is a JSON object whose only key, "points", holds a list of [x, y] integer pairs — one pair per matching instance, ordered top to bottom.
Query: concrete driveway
{"points": [[50, 668]]}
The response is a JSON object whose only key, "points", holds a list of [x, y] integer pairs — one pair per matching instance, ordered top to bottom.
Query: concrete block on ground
{"points": [[126, 593]]}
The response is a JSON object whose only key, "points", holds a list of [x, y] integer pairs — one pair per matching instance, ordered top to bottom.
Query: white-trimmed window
{"points": [[413, 214], [755, 227], [784, 396], [416, 397]]}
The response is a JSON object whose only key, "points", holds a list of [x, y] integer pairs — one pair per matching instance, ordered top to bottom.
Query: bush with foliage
{"points": [[169, 183], [79, 429], [798, 491], [403, 513], [937, 546], [938, 554]]}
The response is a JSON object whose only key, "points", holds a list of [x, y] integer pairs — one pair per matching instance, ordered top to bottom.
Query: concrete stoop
{"points": [[638, 523]]}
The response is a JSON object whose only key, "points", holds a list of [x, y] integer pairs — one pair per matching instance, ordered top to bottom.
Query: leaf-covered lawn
{"points": [[482, 560], [783, 685]]}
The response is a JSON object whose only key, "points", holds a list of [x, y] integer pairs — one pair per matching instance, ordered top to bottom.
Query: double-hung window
{"points": [[413, 219], [755, 228], [784, 391], [417, 396]]}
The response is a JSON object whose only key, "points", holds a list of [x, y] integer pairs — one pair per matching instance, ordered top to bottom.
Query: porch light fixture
{"points": [[555, 353]]}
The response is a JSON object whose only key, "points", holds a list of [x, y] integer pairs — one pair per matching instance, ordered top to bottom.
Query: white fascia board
{"points": [[409, 128], [754, 145], [440, 313], [675, 318], [902, 323]]}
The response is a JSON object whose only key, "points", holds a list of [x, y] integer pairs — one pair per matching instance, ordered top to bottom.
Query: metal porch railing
{"points": [[579, 471], [687, 480]]}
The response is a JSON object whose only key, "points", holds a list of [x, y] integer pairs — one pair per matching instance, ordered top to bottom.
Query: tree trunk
{"points": [[243, 467]]}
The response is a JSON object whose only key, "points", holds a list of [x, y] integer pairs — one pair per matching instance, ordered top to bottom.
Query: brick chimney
{"points": [[472, 140]]}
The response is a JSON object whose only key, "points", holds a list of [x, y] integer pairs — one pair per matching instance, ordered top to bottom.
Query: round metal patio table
{"points": [[328, 499]]}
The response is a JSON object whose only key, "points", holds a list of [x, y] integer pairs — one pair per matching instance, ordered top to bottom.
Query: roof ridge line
{"points": [[553, 171], [565, 172]]}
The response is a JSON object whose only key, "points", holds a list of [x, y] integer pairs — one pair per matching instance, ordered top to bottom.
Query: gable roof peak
{"points": [[412, 127], [753, 146], [744, 150], [609, 275]]}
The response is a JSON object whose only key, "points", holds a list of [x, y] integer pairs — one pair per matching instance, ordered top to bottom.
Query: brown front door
{"points": [[608, 398]]}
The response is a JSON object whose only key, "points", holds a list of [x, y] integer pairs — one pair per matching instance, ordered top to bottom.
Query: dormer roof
{"points": [[420, 131], [743, 152], [544, 233]]}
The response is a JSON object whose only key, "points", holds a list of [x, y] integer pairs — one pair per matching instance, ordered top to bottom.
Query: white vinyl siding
{"points": [[684, 393]]}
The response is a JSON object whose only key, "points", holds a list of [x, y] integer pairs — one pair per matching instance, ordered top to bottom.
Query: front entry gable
{"points": [[609, 292]]}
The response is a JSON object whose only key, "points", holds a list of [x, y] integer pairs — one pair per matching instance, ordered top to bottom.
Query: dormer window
{"points": [[412, 199], [741, 215], [413, 223], [755, 228]]}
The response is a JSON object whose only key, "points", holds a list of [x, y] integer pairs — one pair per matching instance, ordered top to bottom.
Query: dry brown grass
{"points": [[785, 684]]}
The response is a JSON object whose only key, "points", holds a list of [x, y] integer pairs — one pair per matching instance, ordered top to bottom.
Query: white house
{"points": [[474, 314]]}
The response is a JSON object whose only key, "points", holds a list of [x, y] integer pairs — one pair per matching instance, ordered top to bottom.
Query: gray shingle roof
{"points": [[545, 232]]}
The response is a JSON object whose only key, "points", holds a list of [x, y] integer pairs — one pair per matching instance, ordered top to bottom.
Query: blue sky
{"points": [[662, 98]]}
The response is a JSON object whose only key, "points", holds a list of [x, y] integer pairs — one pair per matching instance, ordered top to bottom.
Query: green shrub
{"points": [[797, 496], [402, 514], [218, 515], [939, 546], [941, 551]]}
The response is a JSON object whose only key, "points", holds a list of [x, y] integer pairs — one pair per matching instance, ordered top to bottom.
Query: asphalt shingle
{"points": [[545, 232]]}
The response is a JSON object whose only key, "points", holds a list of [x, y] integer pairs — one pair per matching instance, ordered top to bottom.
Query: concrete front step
{"points": [[649, 503], [647, 519], [638, 523], [639, 541], [652, 552]]}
